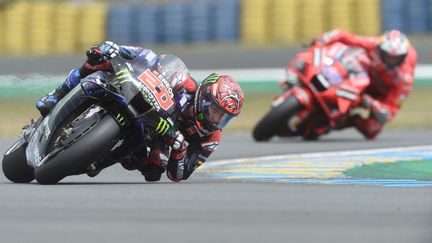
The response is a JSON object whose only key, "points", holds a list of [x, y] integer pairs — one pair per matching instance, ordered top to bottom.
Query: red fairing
{"points": [[304, 96]]}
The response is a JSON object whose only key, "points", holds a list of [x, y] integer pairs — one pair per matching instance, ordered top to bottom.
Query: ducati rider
{"points": [[391, 65], [391, 70], [208, 107]]}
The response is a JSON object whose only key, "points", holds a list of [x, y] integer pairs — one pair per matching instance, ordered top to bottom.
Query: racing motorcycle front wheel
{"points": [[276, 119], [81, 141], [15, 166]]}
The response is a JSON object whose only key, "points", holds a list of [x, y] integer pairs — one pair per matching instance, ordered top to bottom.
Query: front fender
{"points": [[303, 95]]}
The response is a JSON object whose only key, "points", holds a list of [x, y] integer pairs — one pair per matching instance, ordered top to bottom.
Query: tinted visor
{"points": [[391, 61], [214, 116]]}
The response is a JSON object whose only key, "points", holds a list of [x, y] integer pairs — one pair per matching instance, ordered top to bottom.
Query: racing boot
{"points": [[96, 61], [46, 104]]}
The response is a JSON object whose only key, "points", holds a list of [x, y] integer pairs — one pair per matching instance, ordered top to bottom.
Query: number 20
{"points": [[157, 88]]}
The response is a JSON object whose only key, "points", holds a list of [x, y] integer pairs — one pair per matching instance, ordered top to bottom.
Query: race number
{"points": [[158, 89]]}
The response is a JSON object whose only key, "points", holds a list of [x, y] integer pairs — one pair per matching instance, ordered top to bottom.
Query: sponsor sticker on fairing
{"points": [[346, 94]]}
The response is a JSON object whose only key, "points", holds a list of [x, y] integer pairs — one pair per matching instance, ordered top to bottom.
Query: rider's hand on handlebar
{"points": [[317, 42], [109, 49], [100, 54], [95, 56], [98, 58], [96, 61], [380, 113], [179, 142]]}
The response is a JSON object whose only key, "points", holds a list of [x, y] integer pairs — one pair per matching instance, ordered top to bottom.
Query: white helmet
{"points": [[393, 48]]}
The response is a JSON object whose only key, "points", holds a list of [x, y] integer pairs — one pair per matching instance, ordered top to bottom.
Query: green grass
{"points": [[415, 113], [408, 170]]}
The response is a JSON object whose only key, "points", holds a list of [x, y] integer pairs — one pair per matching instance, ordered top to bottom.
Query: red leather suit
{"points": [[388, 88]]}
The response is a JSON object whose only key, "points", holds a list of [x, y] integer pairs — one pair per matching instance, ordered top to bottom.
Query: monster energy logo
{"points": [[123, 76], [212, 78], [200, 116], [120, 119], [162, 126]]}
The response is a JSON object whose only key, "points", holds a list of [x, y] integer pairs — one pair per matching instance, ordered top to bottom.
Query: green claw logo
{"points": [[123, 76], [211, 79], [200, 116], [120, 119], [162, 126]]}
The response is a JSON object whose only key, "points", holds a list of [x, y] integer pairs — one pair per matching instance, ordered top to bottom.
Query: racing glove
{"points": [[325, 38], [317, 42], [110, 49], [95, 56], [98, 58], [380, 113], [179, 142], [179, 147], [176, 164]]}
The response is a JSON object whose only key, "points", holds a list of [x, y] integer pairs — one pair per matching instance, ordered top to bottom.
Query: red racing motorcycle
{"points": [[323, 86]]}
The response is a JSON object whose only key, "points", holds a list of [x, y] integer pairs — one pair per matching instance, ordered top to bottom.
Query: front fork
{"points": [[313, 126]]}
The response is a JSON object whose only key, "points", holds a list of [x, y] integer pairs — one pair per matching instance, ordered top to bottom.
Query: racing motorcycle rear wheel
{"points": [[276, 119], [83, 140], [15, 166]]}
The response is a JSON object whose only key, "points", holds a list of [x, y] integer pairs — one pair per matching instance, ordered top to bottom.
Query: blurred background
{"points": [[67, 27], [252, 40]]}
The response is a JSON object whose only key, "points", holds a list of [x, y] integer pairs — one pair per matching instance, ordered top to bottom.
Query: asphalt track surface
{"points": [[118, 206]]}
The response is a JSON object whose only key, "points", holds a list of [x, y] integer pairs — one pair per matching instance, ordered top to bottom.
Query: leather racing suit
{"points": [[389, 87], [179, 163]]}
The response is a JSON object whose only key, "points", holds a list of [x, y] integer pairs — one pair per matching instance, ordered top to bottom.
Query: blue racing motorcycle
{"points": [[98, 123]]}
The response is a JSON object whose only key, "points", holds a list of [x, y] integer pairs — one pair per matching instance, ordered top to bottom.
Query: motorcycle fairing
{"points": [[36, 149]]}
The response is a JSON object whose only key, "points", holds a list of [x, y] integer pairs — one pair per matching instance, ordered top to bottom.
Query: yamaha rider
{"points": [[206, 108]]}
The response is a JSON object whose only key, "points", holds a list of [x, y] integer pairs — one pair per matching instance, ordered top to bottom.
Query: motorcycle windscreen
{"points": [[172, 68], [160, 80]]}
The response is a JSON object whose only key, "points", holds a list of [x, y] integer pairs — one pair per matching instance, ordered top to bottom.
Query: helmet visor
{"points": [[391, 60], [215, 117]]}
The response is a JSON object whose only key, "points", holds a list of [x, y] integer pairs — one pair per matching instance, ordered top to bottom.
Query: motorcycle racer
{"points": [[342, 64], [391, 70], [203, 111]]}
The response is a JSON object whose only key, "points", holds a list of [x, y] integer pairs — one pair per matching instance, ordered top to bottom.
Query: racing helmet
{"points": [[393, 48], [218, 99]]}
